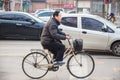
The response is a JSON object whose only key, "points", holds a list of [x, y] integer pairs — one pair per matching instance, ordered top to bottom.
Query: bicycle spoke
{"points": [[34, 57], [41, 59], [77, 60], [29, 62], [81, 65], [35, 71]]}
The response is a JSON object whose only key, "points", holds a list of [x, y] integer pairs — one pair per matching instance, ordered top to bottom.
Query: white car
{"points": [[58, 9], [39, 10], [71, 12], [45, 15], [97, 33]]}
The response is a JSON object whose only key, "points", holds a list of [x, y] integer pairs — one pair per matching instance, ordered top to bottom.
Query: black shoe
{"points": [[59, 63]]}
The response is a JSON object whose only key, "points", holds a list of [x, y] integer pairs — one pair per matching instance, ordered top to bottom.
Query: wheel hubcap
{"points": [[117, 49]]}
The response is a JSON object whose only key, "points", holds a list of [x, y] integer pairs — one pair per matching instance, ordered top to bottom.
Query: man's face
{"points": [[59, 17]]}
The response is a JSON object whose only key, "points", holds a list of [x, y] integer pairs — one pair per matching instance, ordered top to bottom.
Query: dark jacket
{"points": [[51, 32]]}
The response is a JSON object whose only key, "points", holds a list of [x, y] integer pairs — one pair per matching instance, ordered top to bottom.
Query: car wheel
{"points": [[116, 49]]}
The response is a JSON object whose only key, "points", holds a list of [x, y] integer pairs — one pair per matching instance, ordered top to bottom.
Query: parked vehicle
{"points": [[59, 9], [39, 10], [71, 12], [45, 15], [20, 25], [97, 33]]}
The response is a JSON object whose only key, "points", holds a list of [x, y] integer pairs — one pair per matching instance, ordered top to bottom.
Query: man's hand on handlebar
{"points": [[68, 36]]}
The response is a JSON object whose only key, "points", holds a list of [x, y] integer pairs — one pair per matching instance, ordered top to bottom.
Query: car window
{"points": [[72, 12], [50, 13], [45, 14], [7, 16], [21, 17], [69, 21], [91, 24], [109, 30]]}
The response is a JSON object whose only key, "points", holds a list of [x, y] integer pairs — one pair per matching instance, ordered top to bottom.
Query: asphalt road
{"points": [[12, 53]]}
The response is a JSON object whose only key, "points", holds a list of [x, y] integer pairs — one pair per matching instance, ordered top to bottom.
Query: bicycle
{"points": [[80, 64]]}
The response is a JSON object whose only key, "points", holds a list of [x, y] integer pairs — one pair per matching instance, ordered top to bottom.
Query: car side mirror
{"points": [[31, 20], [104, 29]]}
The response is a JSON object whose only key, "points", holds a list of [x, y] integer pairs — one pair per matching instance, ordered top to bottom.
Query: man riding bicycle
{"points": [[51, 36]]}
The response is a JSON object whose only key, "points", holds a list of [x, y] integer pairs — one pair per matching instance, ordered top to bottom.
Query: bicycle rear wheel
{"points": [[30, 65], [81, 65]]}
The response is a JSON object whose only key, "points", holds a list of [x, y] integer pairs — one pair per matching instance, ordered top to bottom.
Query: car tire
{"points": [[116, 49]]}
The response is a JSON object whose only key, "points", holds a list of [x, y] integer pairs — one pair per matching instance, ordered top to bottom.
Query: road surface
{"points": [[12, 52]]}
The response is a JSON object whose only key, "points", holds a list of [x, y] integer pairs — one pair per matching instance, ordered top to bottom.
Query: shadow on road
{"points": [[104, 55]]}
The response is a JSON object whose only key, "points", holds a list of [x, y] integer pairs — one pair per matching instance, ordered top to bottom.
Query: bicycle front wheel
{"points": [[30, 65], [81, 65]]}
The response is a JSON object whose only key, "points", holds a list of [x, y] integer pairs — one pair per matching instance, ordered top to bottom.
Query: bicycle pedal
{"points": [[56, 65], [50, 69]]}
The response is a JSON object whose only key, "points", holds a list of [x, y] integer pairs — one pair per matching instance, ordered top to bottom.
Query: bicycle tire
{"points": [[32, 65], [83, 73]]}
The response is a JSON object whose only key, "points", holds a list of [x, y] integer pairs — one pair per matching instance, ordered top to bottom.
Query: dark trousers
{"points": [[57, 49]]}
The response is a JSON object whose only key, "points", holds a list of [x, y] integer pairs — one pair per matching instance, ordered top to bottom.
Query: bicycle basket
{"points": [[78, 44]]}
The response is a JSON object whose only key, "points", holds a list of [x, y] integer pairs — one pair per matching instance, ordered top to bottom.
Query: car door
{"points": [[69, 26], [7, 27], [25, 28], [92, 34]]}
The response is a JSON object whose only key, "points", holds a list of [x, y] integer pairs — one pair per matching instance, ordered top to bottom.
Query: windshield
{"points": [[38, 11]]}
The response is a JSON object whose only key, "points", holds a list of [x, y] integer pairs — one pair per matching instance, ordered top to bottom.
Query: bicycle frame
{"points": [[67, 52], [49, 55]]}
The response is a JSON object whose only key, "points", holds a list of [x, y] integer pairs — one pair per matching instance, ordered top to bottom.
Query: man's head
{"points": [[57, 15]]}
